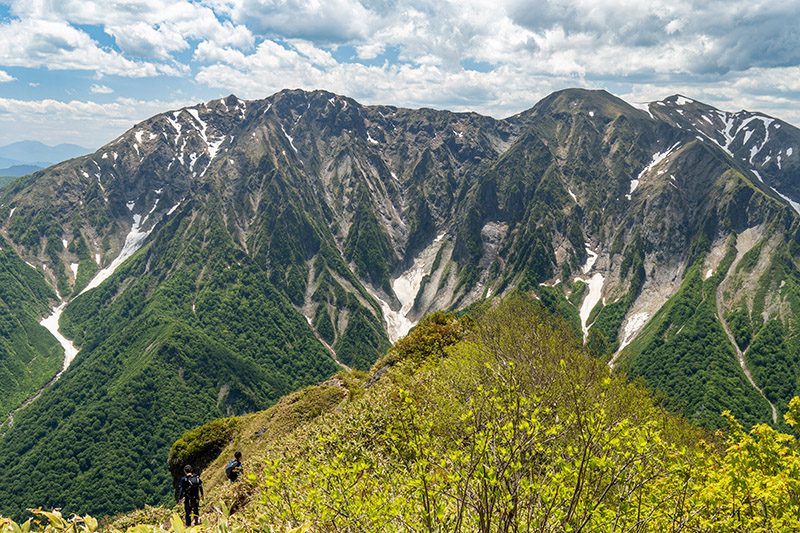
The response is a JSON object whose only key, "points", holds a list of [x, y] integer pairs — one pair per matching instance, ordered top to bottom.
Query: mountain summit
{"points": [[217, 257]]}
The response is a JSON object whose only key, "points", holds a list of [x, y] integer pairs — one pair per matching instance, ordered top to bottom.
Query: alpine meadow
{"points": [[409, 320]]}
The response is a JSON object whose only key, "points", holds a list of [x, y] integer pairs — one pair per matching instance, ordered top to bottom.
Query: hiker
{"points": [[234, 467], [190, 490]]}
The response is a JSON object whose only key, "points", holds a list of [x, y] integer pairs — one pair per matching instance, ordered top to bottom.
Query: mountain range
{"points": [[23, 157], [215, 258]]}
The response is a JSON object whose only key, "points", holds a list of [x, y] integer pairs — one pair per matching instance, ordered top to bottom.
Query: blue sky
{"points": [[84, 71]]}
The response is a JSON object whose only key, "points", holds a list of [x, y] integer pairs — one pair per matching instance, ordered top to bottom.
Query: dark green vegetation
{"points": [[268, 235], [176, 347], [773, 351], [29, 355], [690, 359], [495, 421], [200, 446]]}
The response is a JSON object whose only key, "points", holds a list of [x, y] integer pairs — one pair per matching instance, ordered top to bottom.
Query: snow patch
{"points": [[683, 101], [644, 106], [591, 113], [176, 125], [138, 136], [291, 139], [369, 139], [213, 146], [756, 149], [789, 152], [658, 157], [634, 184], [572, 194], [130, 205], [795, 205], [173, 208], [11, 214], [133, 241], [64, 242], [589, 260], [74, 268], [709, 273], [406, 287], [591, 299], [51, 324], [632, 327]]}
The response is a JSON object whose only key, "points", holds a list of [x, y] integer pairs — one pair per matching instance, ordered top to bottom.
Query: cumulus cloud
{"points": [[328, 22], [150, 29], [701, 37], [143, 40], [60, 46], [496, 57], [5, 77], [100, 89], [83, 122]]}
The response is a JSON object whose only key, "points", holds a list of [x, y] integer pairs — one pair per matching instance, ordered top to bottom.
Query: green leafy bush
{"points": [[200, 446]]}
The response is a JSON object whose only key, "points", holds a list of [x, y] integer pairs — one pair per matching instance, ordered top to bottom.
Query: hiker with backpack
{"points": [[234, 467], [190, 490]]}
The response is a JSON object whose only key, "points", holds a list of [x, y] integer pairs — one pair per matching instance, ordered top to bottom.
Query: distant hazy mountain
{"points": [[37, 154], [19, 170], [216, 257]]}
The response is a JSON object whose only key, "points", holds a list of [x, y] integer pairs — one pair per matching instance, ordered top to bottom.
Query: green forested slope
{"points": [[162, 349], [29, 355], [691, 361], [495, 421]]}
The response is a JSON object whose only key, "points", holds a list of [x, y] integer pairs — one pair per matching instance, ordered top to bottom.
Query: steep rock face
{"points": [[216, 257]]}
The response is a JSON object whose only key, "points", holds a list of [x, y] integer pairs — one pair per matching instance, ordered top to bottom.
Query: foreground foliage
{"points": [[498, 424]]}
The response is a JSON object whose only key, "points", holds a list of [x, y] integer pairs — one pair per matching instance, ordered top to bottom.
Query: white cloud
{"points": [[323, 22], [149, 29], [143, 40], [59, 46], [371, 51], [496, 57], [5, 77], [100, 89], [85, 123]]}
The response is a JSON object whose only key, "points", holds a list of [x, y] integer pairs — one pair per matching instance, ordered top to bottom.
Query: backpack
{"points": [[231, 469], [192, 490]]}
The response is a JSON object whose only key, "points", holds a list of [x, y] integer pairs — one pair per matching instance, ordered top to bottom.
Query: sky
{"points": [[85, 71]]}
